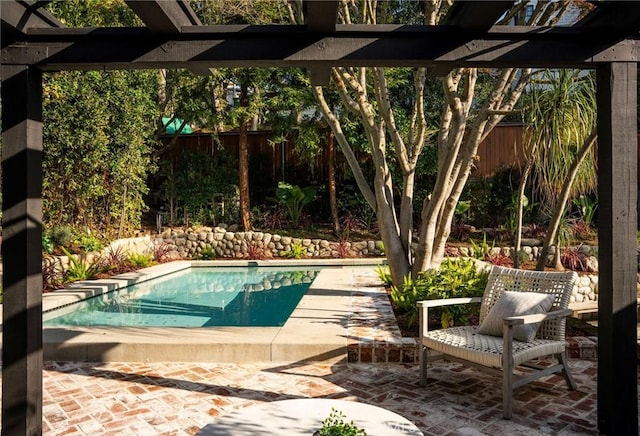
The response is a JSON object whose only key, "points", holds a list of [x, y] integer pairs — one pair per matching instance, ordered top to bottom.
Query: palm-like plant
{"points": [[562, 116]]}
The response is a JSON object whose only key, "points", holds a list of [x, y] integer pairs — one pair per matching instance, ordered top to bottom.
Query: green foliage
{"points": [[562, 114], [97, 133], [98, 138], [191, 184], [491, 197], [294, 199], [353, 207], [462, 207], [587, 207], [61, 236], [89, 243], [47, 245], [483, 250], [297, 251], [207, 253], [140, 260], [80, 269], [384, 274], [455, 278], [335, 425]]}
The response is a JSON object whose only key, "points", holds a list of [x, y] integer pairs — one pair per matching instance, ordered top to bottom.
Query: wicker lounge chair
{"points": [[472, 345]]}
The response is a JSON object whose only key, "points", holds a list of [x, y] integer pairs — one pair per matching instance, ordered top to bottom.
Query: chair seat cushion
{"points": [[516, 304], [467, 343]]}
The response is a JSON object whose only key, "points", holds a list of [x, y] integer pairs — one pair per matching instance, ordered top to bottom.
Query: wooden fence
{"points": [[502, 147]]}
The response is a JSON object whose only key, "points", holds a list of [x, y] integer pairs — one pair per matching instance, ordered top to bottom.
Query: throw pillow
{"points": [[516, 304]]}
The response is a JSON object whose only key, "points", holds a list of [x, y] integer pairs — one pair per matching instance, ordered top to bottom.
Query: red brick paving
{"points": [[181, 398]]}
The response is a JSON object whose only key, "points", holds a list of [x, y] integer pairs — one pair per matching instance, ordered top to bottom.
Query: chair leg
{"points": [[562, 359], [423, 366], [507, 389]]}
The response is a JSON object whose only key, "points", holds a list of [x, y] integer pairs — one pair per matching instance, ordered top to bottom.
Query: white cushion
{"points": [[516, 304]]}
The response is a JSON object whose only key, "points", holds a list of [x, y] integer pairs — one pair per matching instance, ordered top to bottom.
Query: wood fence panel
{"points": [[502, 147]]}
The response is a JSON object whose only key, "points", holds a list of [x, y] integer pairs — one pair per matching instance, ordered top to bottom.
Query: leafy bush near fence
{"points": [[454, 278]]}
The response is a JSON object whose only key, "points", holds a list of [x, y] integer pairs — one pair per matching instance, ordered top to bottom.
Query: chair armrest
{"points": [[448, 301], [423, 308], [538, 317]]}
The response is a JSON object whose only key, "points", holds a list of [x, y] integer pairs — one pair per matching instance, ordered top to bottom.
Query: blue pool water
{"points": [[196, 297]]}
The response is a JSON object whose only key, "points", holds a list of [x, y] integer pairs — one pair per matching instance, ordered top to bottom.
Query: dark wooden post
{"points": [[22, 250], [617, 255]]}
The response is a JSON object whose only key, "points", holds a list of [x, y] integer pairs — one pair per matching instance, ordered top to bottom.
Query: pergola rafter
{"points": [[20, 16], [167, 16], [33, 41]]}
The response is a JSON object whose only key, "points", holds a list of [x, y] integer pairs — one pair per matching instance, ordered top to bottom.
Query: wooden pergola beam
{"points": [[474, 15], [19, 16], [164, 16], [320, 16], [167, 17], [471, 17], [616, 17], [292, 46], [617, 248], [22, 250]]}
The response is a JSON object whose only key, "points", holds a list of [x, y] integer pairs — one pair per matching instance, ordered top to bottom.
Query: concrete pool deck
{"points": [[333, 322]]}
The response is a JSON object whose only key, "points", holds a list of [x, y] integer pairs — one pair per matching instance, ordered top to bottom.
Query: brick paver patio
{"points": [[182, 398]]}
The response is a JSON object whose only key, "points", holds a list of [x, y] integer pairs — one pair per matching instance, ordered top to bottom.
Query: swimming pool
{"points": [[195, 297], [318, 329]]}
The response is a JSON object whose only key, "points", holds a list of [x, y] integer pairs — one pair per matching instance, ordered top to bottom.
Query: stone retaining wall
{"points": [[191, 243], [230, 244]]}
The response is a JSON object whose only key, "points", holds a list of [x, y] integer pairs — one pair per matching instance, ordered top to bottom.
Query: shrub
{"points": [[294, 199], [270, 219], [350, 222], [581, 230], [61, 236], [90, 243], [47, 245], [343, 249], [297, 251], [161, 252], [256, 252], [207, 253], [499, 259], [574, 259], [140, 260], [116, 261], [80, 269], [384, 274], [51, 275], [455, 278], [335, 425]]}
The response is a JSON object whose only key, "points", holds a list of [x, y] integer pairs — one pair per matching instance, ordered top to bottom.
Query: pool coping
{"points": [[316, 331]]}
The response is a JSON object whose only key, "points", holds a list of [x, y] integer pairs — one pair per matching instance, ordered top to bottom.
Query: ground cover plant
{"points": [[453, 279], [335, 425]]}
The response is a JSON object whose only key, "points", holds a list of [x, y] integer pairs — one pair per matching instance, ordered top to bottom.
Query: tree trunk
{"points": [[243, 164], [332, 183], [554, 224], [518, 234]]}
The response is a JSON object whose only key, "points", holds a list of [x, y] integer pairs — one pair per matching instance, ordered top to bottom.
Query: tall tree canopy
{"points": [[468, 114], [98, 134]]}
